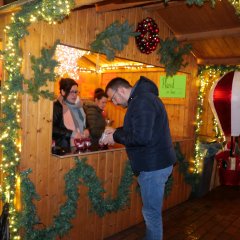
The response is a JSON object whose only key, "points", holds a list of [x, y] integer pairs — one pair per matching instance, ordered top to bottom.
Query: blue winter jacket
{"points": [[145, 131]]}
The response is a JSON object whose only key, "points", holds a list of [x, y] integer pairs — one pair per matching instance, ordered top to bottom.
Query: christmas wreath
{"points": [[148, 39]]}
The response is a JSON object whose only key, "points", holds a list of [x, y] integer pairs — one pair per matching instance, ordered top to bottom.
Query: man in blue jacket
{"points": [[146, 135]]}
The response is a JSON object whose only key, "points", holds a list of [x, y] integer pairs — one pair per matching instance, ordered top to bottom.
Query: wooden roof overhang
{"points": [[213, 32]]}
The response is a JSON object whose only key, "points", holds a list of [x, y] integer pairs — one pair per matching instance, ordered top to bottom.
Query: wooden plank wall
{"points": [[79, 30], [179, 110], [207, 116], [109, 168]]}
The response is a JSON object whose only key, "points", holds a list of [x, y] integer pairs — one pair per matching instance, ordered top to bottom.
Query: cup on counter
{"points": [[82, 144]]}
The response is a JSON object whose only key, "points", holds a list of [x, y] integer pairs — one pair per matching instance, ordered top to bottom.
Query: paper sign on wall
{"points": [[173, 87]]}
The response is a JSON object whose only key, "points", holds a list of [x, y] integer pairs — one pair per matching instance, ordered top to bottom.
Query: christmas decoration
{"points": [[199, 2], [236, 5], [55, 11], [148, 38], [113, 39], [171, 55], [68, 60], [43, 69], [207, 75], [13, 87], [224, 99], [84, 174]]}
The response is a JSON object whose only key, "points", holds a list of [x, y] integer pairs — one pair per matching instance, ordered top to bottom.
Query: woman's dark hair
{"points": [[66, 84], [99, 93]]}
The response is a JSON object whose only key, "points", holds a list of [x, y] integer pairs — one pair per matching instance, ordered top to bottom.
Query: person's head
{"points": [[68, 89], [118, 91], [100, 98]]}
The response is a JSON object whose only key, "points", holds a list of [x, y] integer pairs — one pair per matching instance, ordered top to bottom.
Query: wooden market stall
{"points": [[48, 171]]}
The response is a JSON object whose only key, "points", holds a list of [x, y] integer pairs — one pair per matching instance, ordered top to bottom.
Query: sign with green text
{"points": [[172, 87]]}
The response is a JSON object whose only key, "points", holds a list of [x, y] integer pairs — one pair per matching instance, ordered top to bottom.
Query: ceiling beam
{"points": [[81, 3], [162, 5], [15, 6], [113, 6], [234, 32], [219, 61]]}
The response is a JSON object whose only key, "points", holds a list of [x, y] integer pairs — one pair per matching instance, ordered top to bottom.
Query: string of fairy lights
{"points": [[236, 5], [69, 58], [208, 75], [12, 88], [10, 140]]}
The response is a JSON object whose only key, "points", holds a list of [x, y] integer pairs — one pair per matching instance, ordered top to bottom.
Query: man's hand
{"points": [[108, 139]]}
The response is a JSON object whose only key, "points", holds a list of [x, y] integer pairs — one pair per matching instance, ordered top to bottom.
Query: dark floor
{"points": [[213, 216]]}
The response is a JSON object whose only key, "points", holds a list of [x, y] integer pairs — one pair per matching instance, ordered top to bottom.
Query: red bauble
{"points": [[148, 39]]}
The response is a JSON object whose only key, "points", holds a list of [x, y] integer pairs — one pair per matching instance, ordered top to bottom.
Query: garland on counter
{"points": [[82, 174], [190, 178], [27, 219]]}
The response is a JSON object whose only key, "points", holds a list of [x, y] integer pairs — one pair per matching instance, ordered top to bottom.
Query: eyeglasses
{"points": [[73, 92], [111, 99]]}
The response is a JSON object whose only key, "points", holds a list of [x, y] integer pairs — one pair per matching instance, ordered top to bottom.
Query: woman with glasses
{"points": [[94, 110], [69, 119]]}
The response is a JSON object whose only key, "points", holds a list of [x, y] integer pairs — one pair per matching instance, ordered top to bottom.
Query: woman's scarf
{"points": [[73, 115]]}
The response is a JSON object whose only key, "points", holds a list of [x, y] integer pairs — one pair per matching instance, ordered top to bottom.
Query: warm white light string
{"points": [[68, 59]]}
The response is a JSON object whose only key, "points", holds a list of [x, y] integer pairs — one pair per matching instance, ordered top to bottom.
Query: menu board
{"points": [[172, 87]]}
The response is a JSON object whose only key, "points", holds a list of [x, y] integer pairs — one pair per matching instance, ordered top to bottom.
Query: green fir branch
{"points": [[200, 2], [113, 39], [171, 55], [43, 69], [13, 87], [83, 174], [190, 178], [168, 186]]}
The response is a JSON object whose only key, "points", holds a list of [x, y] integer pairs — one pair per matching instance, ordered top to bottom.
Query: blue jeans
{"points": [[152, 186]]}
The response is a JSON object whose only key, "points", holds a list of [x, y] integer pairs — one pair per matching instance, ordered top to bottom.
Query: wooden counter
{"points": [[109, 165]]}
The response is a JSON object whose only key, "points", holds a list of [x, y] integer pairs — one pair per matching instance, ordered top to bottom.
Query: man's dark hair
{"points": [[117, 82]]}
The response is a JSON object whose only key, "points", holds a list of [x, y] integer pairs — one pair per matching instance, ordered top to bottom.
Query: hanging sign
{"points": [[173, 87]]}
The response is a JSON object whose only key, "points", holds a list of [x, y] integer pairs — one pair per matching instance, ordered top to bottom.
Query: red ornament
{"points": [[148, 39], [224, 98]]}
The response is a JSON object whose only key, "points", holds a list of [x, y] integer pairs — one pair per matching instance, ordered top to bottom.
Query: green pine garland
{"points": [[199, 2], [51, 11], [113, 38], [171, 55], [43, 69], [12, 88], [83, 174], [190, 178], [28, 219]]}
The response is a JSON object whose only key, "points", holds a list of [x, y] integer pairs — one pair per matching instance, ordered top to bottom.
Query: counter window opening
{"points": [[81, 73]]}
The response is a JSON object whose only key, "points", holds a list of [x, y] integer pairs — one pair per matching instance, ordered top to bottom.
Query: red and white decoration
{"points": [[224, 99]]}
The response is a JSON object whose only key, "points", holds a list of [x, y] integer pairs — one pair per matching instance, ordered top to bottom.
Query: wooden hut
{"points": [[78, 30]]}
